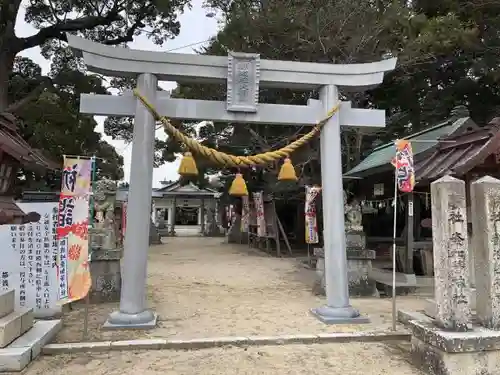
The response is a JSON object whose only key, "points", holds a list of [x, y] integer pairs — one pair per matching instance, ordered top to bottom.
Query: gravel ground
{"points": [[203, 288], [331, 359]]}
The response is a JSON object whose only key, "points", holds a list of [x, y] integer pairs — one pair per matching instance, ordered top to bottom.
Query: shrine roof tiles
{"points": [[13, 144], [457, 155], [380, 159], [175, 188], [9, 207]]}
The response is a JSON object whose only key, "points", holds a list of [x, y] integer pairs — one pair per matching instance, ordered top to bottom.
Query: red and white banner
{"points": [[403, 162], [258, 201], [245, 214], [310, 214], [230, 215], [72, 229]]}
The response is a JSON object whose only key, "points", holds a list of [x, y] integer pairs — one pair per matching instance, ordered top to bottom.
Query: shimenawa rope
{"points": [[228, 160]]}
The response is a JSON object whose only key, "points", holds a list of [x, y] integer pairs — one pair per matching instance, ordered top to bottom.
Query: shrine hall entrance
{"points": [[187, 216]]}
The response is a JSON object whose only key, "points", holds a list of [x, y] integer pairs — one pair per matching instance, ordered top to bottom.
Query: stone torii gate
{"points": [[244, 74]]}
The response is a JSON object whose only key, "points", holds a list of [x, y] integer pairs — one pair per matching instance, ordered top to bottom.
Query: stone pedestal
{"points": [[234, 234], [154, 235], [355, 240], [359, 264], [105, 270], [430, 305], [439, 352]]}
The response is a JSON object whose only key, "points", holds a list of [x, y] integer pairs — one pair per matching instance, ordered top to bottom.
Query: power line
{"points": [[189, 45], [181, 47]]}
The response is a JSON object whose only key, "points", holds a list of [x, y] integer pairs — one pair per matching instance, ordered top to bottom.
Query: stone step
{"points": [[7, 302], [406, 316], [14, 325], [404, 346], [26, 348]]}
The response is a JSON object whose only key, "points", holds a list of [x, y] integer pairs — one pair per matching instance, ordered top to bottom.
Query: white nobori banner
{"points": [[310, 214]]}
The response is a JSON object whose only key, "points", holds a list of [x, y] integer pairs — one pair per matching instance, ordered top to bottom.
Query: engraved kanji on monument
{"points": [[243, 74], [485, 209], [451, 263]]}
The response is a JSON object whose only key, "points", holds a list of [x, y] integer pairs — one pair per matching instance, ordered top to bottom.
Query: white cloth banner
{"points": [[258, 200], [245, 214], [310, 214], [230, 215], [29, 259]]}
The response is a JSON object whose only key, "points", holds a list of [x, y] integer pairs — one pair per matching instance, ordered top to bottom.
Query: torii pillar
{"points": [[243, 74]]}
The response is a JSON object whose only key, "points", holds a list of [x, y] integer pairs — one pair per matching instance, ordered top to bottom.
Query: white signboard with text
{"points": [[30, 258]]}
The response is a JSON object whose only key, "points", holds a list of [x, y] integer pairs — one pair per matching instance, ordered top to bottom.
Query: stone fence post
{"points": [[485, 210], [451, 263], [441, 347]]}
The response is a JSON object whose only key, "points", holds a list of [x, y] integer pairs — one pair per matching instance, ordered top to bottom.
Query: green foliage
{"points": [[447, 55], [49, 105], [52, 122]]}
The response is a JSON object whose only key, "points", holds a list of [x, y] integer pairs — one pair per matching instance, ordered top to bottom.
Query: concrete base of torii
{"points": [[339, 315], [144, 320]]}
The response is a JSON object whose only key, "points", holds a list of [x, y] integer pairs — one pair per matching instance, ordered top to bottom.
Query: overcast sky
{"points": [[195, 27]]}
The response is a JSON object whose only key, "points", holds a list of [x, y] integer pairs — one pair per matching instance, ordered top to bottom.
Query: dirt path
{"points": [[203, 288], [332, 359]]}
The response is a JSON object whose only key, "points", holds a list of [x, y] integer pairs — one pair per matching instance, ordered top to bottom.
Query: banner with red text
{"points": [[258, 200], [245, 214], [310, 214], [72, 231]]}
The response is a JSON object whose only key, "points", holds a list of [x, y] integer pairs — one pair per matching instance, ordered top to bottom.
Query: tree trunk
{"points": [[9, 46], [6, 65]]}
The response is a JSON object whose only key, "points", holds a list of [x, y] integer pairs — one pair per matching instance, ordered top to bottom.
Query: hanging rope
{"points": [[228, 160]]}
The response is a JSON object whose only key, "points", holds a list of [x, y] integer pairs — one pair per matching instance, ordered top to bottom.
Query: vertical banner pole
{"points": [[404, 180], [90, 225], [394, 249]]}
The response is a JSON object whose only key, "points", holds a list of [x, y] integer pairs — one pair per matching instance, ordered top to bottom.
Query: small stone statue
{"points": [[353, 215], [105, 228], [106, 245]]}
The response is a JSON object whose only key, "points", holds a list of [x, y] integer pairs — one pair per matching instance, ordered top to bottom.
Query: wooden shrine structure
{"points": [[457, 147], [16, 153]]}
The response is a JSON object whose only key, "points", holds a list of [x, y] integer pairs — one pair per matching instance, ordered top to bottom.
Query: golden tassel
{"points": [[187, 166], [287, 171], [238, 187]]}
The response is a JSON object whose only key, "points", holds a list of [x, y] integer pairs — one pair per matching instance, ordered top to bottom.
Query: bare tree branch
{"points": [[58, 30], [46, 84]]}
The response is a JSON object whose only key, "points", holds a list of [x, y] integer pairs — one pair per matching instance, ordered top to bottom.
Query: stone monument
{"points": [[486, 223], [213, 227], [105, 243], [359, 259], [452, 343]]}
